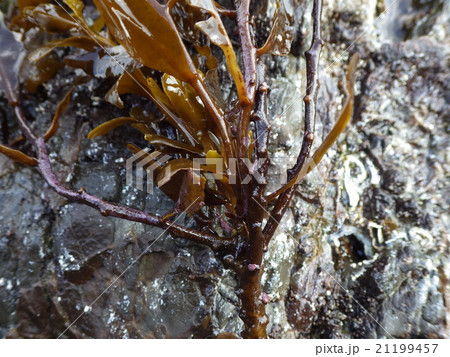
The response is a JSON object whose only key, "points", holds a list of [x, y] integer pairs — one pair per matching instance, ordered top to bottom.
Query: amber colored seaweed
{"points": [[163, 52], [18, 156]]}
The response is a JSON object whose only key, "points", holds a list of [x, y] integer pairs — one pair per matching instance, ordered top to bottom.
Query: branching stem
{"points": [[248, 51], [312, 87], [107, 208], [244, 250]]}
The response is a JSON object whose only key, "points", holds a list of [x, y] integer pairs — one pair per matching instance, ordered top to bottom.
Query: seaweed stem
{"points": [[248, 60], [204, 95], [310, 99], [107, 208], [253, 308]]}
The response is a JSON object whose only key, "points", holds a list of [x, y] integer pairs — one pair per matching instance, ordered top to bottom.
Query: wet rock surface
{"points": [[362, 253]]}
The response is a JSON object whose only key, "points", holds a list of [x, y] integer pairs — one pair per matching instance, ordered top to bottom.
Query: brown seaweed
{"points": [[144, 46]]}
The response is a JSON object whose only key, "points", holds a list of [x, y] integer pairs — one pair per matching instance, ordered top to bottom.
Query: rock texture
{"points": [[362, 253]]}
